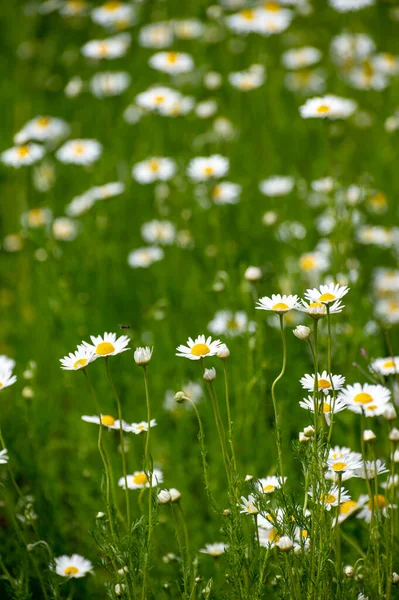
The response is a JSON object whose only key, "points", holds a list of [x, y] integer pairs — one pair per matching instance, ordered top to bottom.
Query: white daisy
{"points": [[350, 5], [113, 13], [273, 19], [244, 21], [188, 29], [156, 35], [110, 48], [298, 58], [172, 63], [248, 80], [104, 85], [158, 97], [329, 106], [42, 128], [79, 152], [21, 156], [204, 168], [154, 169], [277, 186], [108, 190], [226, 193], [36, 217], [64, 229], [144, 257], [314, 262], [327, 294], [277, 303], [317, 310], [229, 323], [107, 344], [199, 348], [79, 359], [6, 364], [385, 366], [6, 378], [323, 382], [368, 398], [327, 406], [107, 421], [138, 428], [4, 458], [345, 465], [370, 469], [139, 480], [268, 485], [330, 499], [380, 503], [248, 505], [268, 537], [215, 549], [72, 566]]}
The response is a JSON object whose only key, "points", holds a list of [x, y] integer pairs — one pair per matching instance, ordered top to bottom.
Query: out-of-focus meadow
{"points": [[68, 268]]}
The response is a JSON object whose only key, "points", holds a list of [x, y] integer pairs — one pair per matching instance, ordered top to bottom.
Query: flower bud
{"points": [[253, 274], [302, 332], [223, 352], [142, 356], [210, 374], [181, 397], [389, 413], [309, 431], [394, 434], [368, 435], [303, 438], [249, 477], [175, 495], [164, 497], [226, 512], [100, 515], [285, 543], [349, 571], [395, 578]]}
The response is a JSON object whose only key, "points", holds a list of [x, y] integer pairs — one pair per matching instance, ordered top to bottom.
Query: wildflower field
{"points": [[199, 214]]}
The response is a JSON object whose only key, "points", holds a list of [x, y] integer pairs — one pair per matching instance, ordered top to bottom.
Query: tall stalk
{"points": [[276, 413]]}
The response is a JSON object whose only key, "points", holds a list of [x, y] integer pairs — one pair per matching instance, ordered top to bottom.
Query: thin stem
{"points": [[330, 373], [118, 402], [276, 414], [230, 424], [148, 470], [186, 542], [181, 550]]}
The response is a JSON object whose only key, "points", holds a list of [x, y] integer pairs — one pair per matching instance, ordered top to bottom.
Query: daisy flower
{"points": [[350, 5], [113, 13], [273, 19], [245, 21], [156, 35], [110, 48], [298, 58], [172, 63], [249, 79], [104, 85], [157, 98], [331, 107], [42, 128], [79, 152], [21, 156], [204, 168], [154, 169], [277, 186], [226, 192], [36, 217], [64, 229], [159, 232], [144, 257], [313, 262], [327, 294], [277, 303], [317, 310], [230, 323], [107, 344], [199, 348], [79, 359], [6, 364], [385, 366], [6, 378], [323, 382], [368, 398], [327, 406], [107, 421], [142, 426], [4, 458], [344, 466], [370, 469], [139, 480], [268, 485], [330, 499], [380, 502], [248, 506], [346, 509], [268, 537], [215, 549], [72, 566]]}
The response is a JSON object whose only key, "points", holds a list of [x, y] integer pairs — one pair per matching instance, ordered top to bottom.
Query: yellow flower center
{"points": [[111, 6], [272, 6], [248, 14], [103, 48], [172, 57], [159, 99], [322, 109], [43, 122], [79, 149], [23, 151], [154, 165], [208, 170], [216, 192], [379, 200], [35, 217], [307, 263], [326, 297], [317, 305], [280, 306], [232, 324], [104, 348], [200, 349], [81, 362], [388, 364], [324, 384], [1, 385], [363, 398], [326, 407], [371, 407], [107, 420], [141, 427], [339, 466], [140, 478], [268, 488], [328, 498], [379, 501], [347, 507], [304, 533], [71, 570]]}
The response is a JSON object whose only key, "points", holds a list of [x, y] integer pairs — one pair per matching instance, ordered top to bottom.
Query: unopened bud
{"points": [[253, 274], [302, 332], [223, 352], [210, 374], [181, 397], [389, 413], [309, 431], [394, 434], [368, 435], [303, 438], [164, 497], [226, 512], [349, 571], [395, 578]]}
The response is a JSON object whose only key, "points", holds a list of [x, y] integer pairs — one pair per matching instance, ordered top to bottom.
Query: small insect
{"points": [[124, 326]]}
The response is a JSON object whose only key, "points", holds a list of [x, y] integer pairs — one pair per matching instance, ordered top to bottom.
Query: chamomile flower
{"points": [[350, 5], [72, 8], [113, 13], [273, 19], [244, 21], [188, 29], [156, 35], [110, 48], [299, 58], [172, 63], [248, 80], [306, 81], [108, 84], [157, 98], [329, 106], [41, 129], [79, 152], [21, 156], [204, 168], [154, 169], [277, 186], [226, 192], [36, 217], [64, 229], [144, 257], [313, 262], [327, 294], [277, 303], [317, 310], [227, 322], [107, 344], [199, 348], [79, 359], [6, 364], [385, 366], [6, 378], [323, 382], [368, 398], [327, 406], [107, 421], [138, 428], [4, 458], [343, 464], [371, 469], [140, 480], [270, 484], [330, 499], [380, 504], [248, 505], [346, 509], [268, 536], [216, 549], [74, 566]]}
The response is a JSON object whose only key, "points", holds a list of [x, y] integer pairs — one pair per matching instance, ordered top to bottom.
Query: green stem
{"points": [[226, 385], [118, 402], [276, 413], [148, 470], [181, 550]]}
